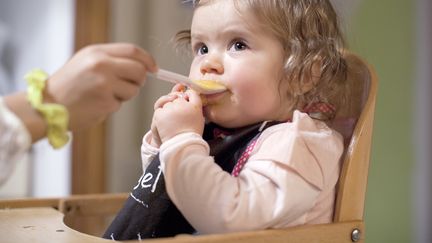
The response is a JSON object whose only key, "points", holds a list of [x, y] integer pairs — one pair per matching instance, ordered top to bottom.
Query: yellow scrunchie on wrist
{"points": [[56, 116]]}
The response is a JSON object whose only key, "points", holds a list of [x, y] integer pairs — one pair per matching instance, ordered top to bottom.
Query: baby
{"points": [[260, 154]]}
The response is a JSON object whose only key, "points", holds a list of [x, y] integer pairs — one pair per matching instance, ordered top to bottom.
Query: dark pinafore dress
{"points": [[149, 212]]}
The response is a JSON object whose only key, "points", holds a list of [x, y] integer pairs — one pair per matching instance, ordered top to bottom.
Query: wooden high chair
{"points": [[74, 218]]}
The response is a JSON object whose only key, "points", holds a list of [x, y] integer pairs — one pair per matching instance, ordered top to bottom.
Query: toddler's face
{"points": [[232, 48]]}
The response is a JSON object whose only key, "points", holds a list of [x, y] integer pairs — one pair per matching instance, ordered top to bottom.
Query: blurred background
{"points": [[394, 36]]}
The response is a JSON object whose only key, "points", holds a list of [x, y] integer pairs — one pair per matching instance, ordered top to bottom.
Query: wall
{"points": [[151, 25], [383, 33], [37, 41], [423, 130]]}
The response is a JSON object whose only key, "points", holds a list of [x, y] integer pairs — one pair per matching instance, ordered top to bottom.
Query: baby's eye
{"points": [[238, 46], [201, 49]]}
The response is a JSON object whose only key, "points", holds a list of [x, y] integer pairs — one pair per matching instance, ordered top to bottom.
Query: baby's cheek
{"points": [[248, 90]]}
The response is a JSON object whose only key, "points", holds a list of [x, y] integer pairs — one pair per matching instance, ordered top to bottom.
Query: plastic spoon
{"points": [[200, 86]]}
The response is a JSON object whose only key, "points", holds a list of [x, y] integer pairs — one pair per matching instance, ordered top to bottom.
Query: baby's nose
{"points": [[212, 64]]}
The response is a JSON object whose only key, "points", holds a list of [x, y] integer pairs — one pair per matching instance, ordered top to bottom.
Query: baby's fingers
{"points": [[178, 88], [194, 97], [170, 98], [164, 99]]}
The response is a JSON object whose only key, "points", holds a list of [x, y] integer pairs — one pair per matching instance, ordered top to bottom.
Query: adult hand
{"points": [[97, 79]]}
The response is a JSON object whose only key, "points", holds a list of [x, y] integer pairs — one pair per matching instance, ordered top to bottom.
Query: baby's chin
{"points": [[223, 122]]}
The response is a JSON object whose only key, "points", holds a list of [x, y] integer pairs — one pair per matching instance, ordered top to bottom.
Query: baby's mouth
{"points": [[207, 86]]}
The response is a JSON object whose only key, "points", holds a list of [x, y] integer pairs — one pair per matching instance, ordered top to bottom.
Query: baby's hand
{"points": [[175, 91], [177, 113], [156, 140]]}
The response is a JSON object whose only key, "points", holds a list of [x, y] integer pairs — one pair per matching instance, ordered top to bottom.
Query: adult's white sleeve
{"points": [[15, 141]]}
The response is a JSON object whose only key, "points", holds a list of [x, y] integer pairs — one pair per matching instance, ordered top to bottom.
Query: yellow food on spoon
{"points": [[210, 84], [201, 86]]}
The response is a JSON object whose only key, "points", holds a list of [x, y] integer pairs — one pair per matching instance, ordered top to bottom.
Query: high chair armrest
{"points": [[92, 204], [36, 220], [45, 224], [350, 231]]}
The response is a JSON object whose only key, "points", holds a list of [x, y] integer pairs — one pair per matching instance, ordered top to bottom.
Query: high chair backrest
{"points": [[356, 125]]}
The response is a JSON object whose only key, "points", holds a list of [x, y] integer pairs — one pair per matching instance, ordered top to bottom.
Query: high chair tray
{"points": [[58, 219]]}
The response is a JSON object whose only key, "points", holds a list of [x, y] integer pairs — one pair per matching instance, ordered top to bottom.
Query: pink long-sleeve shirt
{"points": [[288, 180]]}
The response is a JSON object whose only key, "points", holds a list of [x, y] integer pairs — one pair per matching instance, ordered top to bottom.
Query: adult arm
{"points": [[91, 85]]}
